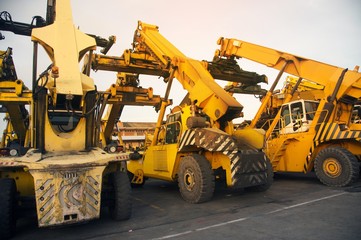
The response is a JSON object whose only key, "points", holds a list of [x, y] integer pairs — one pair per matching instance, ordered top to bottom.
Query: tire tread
{"points": [[348, 162]]}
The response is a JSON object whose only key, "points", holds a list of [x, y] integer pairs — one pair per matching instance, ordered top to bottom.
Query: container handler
{"points": [[312, 124], [197, 144], [51, 163]]}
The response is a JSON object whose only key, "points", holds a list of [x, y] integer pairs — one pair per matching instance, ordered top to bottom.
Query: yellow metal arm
{"points": [[129, 62], [144, 63], [318, 72], [194, 77], [125, 92]]}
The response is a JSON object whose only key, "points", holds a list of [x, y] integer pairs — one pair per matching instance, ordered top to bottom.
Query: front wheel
{"points": [[336, 167], [195, 179], [120, 206], [7, 208]]}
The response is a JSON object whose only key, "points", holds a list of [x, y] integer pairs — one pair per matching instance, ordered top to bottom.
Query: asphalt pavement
{"points": [[297, 206]]}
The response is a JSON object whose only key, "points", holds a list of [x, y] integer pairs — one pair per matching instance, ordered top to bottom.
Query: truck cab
{"points": [[297, 116]]}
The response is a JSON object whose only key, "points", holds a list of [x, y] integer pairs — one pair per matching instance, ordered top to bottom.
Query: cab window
{"points": [[296, 111], [285, 114]]}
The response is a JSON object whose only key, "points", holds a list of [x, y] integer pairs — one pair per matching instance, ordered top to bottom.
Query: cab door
{"points": [[160, 159]]}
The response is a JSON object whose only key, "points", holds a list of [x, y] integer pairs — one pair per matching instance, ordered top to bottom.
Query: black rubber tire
{"points": [[344, 160], [268, 184], [201, 186], [120, 206], [7, 208]]}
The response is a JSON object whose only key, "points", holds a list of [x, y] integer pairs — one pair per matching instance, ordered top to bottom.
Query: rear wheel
{"points": [[336, 167], [195, 179], [120, 205], [7, 207]]}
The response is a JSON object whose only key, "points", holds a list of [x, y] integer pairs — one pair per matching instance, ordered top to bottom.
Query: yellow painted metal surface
{"points": [[65, 52], [326, 75], [199, 83], [17, 85], [304, 86], [12, 97], [210, 108], [251, 137], [65, 141], [352, 146], [295, 152], [289, 153], [219, 160], [160, 161], [332, 167], [136, 168], [65, 172], [24, 180], [67, 185], [67, 196]]}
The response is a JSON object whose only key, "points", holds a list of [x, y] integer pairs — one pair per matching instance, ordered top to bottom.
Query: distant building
{"points": [[133, 133]]}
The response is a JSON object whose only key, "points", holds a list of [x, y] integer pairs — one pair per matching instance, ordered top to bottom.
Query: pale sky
{"points": [[324, 30]]}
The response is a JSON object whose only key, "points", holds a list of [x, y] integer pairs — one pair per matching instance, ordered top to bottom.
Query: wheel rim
{"points": [[112, 149], [13, 152], [332, 167], [189, 179]]}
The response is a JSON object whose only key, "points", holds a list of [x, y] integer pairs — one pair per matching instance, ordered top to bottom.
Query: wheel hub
{"points": [[112, 149], [332, 167], [189, 179]]}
